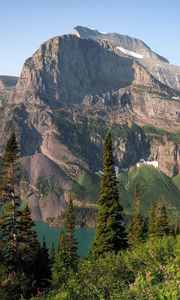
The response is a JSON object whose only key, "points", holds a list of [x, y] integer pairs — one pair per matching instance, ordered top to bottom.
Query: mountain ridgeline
{"points": [[74, 89]]}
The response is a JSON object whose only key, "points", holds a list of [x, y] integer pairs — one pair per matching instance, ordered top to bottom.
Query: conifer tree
{"points": [[9, 193], [158, 220], [161, 222], [110, 229], [136, 232], [18, 239], [28, 243], [70, 243], [66, 258], [59, 268], [42, 270]]}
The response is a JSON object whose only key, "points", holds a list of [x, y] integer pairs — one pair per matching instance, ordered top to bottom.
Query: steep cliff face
{"points": [[157, 65], [70, 92]]}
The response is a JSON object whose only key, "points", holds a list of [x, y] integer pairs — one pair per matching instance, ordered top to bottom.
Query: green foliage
{"points": [[161, 134], [176, 181], [154, 184], [47, 185], [86, 187], [160, 223], [110, 230], [136, 232], [70, 243], [19, 245], [52, 253], [66, 259], [147, 271]]}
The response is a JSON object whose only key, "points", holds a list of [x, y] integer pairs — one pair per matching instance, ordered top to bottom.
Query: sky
{"points": [[26, 24]]}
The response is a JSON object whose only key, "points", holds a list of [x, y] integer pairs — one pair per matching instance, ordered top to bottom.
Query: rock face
{"points": [[157, 65], [70, 92]]}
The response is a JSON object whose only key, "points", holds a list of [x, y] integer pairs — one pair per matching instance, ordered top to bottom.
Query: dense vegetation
{"points": [[131, 258]]}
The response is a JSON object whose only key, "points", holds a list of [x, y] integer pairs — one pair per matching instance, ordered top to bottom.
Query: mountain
{"points": [[157, 65], [72, 90]]}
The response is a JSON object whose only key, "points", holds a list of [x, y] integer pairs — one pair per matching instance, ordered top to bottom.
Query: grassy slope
{"points": [[154, 184]]}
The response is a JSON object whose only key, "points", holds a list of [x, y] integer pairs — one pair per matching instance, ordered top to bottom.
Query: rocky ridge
{"points": [[70, 92]]}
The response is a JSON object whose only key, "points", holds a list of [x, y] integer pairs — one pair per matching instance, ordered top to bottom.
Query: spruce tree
{"points": [[9, 192], [158, 220], [161, 222], [110, 229], [136, 233], [18, 238], [70, 242], [28, 243], [66, 259], [59, 267], [42, 269]]}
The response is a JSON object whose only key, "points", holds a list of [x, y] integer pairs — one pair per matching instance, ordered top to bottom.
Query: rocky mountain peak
{"points": [[124, 42], [72, 90]]}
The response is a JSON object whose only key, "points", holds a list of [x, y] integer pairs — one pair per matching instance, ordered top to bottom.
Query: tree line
{"points": [[26, 268]]}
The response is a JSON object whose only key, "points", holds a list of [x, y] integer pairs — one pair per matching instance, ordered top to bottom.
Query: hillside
{"points": [[153, 183]]}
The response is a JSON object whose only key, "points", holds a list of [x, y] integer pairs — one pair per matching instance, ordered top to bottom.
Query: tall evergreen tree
{"points": [[9, 192], [158, 219], [161, 222], [110, 229], [136, 232], [18, 239], [70, 242], [28, 243], [66, 258], [42, 269]]}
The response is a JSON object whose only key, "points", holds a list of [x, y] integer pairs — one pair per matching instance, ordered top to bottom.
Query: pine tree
{"points": [[9, 193], [158, 220], [161, 222], [110, 229], [136, 232], [18, 239], [70, 241], [28, 243], [66, 259], [59, 267], [42, 270]]}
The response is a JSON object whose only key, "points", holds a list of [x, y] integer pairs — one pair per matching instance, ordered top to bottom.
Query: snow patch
{"points": [[102, 32], [131, 53], [149, 163]]}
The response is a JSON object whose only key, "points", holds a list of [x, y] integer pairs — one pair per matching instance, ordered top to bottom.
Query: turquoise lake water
{"points": [[84, 236]]}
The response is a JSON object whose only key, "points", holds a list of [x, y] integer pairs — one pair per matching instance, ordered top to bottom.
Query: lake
{"points": [[84, 236]]}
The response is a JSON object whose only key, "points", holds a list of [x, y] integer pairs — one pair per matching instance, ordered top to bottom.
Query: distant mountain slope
{"points": [[153, 184]]}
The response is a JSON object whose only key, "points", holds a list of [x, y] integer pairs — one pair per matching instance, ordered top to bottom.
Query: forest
{"points": [[132, 257]]}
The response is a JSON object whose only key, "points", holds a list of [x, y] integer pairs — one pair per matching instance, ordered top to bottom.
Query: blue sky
{"points": [[25, 24]]}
